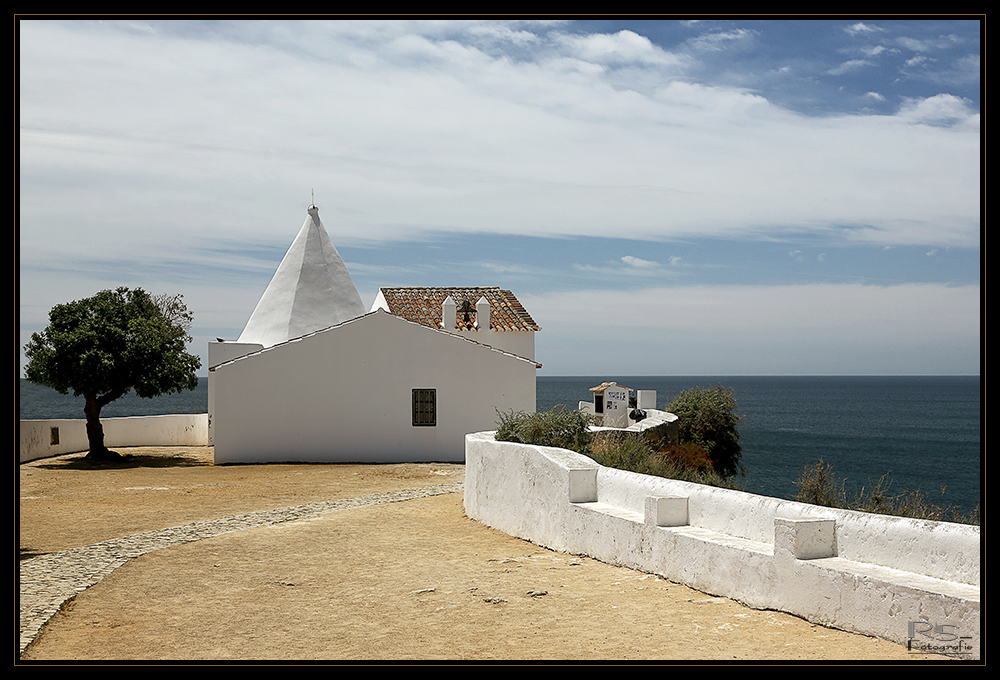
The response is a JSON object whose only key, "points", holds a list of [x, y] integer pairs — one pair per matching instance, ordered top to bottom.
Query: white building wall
{"points": [[521, 343], [221, 352], [344, 394]]}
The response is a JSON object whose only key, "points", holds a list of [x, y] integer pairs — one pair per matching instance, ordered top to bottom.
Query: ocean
{"points": [[925, 431]]}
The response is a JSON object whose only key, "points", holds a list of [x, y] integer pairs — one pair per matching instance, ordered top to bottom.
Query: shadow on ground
{"points": [[126, 462]]}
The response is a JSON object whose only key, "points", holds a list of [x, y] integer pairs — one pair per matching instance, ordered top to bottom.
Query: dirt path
{"points": [[405, 580]]}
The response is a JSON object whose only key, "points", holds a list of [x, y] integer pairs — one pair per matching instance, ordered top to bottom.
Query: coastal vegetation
{"points": [[104, 346], [707, 419], [633, 451], [690, 459], [819, 485]]}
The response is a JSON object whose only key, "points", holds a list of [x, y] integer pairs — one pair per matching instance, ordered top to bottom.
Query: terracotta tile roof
{"points": [[423, 305], [605, 385]]}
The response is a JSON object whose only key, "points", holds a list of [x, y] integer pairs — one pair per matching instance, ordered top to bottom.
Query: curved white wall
{"points": [[35, 436], [871, 574]]}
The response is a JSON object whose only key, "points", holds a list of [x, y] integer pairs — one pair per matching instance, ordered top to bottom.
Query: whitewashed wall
{"points": [[521, 343], [220, 352], [344, 394], [35, 436], [870, 574]]}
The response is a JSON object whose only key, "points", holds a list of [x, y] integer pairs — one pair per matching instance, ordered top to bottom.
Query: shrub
{"points": [[707, 417], [559, 427], [631, 451], [625, 452], [688, 455], [819, 486]]}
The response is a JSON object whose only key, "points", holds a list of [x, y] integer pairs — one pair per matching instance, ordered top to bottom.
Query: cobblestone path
{"points": [[49, 580]]}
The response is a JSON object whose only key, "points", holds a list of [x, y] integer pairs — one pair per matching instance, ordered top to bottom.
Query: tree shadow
{"points": [[126, 462]]}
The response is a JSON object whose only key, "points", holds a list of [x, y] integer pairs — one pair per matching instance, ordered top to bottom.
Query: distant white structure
{"points": [[313, 377], [613, 408]]}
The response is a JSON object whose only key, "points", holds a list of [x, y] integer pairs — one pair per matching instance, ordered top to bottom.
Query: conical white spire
{"points": [[310, 290]]}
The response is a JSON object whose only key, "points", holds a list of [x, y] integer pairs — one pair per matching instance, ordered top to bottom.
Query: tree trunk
{"points": [[95, 432]]}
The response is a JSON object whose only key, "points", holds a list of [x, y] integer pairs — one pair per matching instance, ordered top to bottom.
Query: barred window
{"points": [[425, 407]]}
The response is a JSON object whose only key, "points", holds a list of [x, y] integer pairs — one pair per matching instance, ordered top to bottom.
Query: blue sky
{"points": [[666, 197]]}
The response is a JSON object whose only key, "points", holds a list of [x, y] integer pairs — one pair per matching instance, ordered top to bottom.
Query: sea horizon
{"points": [[924, 431]]}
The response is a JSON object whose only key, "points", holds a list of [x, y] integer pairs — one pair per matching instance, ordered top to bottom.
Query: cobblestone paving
{"points": [[47, 581]]}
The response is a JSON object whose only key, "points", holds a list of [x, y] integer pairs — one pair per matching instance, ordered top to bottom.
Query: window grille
{"points": [[424, 407]]}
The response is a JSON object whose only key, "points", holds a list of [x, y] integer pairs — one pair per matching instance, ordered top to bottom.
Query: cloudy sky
{"points": [[666, 197]]}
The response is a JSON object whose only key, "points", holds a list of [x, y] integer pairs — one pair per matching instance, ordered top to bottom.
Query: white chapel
{"points": [[313, 377]]}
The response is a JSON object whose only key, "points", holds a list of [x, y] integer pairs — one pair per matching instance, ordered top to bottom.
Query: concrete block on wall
{"points": [[582, 485], [666, 511], [805, 538]]}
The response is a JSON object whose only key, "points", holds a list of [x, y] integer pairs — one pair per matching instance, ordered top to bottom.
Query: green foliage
{"points": [[118, 340], [113, 342], [707, 417], [559, 427], [567, 429], [625, 451], [635, 453], [688, 455], [818, 485]]}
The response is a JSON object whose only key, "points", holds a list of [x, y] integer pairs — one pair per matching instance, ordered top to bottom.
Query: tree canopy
{"points": [[103, 346], [707, 417]]}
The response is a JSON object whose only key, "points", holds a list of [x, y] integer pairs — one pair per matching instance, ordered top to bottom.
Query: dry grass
{"points": [[818, 485]]}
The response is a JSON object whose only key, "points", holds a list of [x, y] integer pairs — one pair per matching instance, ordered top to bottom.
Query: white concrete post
{"points": [[449, 314], [483, 314], [582, 485], [666, 511], [805, 538]]}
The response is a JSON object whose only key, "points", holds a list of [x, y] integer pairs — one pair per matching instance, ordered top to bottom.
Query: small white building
{"points": [[314, 378], [614, 409]]}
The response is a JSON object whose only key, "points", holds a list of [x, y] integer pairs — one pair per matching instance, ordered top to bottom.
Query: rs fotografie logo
{"points": [[923, 637]]}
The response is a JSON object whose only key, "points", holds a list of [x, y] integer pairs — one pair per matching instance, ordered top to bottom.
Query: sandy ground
{"points": [[410, 580]]}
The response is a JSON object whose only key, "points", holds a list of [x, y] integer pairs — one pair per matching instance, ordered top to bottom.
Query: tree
{"points": [[103, 346], [706, 417]]}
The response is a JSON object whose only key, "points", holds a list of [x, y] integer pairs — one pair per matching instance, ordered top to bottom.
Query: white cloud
{"points": [[861, 28], [721, 40], [929, 45], [617, 48], [850, 65], [942, 108], [411, 129], [144, 144], [633, 261]]}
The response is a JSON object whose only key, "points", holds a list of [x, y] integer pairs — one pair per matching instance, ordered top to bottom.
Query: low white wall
{"points": [[170, 430], [908, 581]]}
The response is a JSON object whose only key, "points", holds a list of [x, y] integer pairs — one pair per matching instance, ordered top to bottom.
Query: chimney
{"points": [[449, 314], [483, 314]]}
